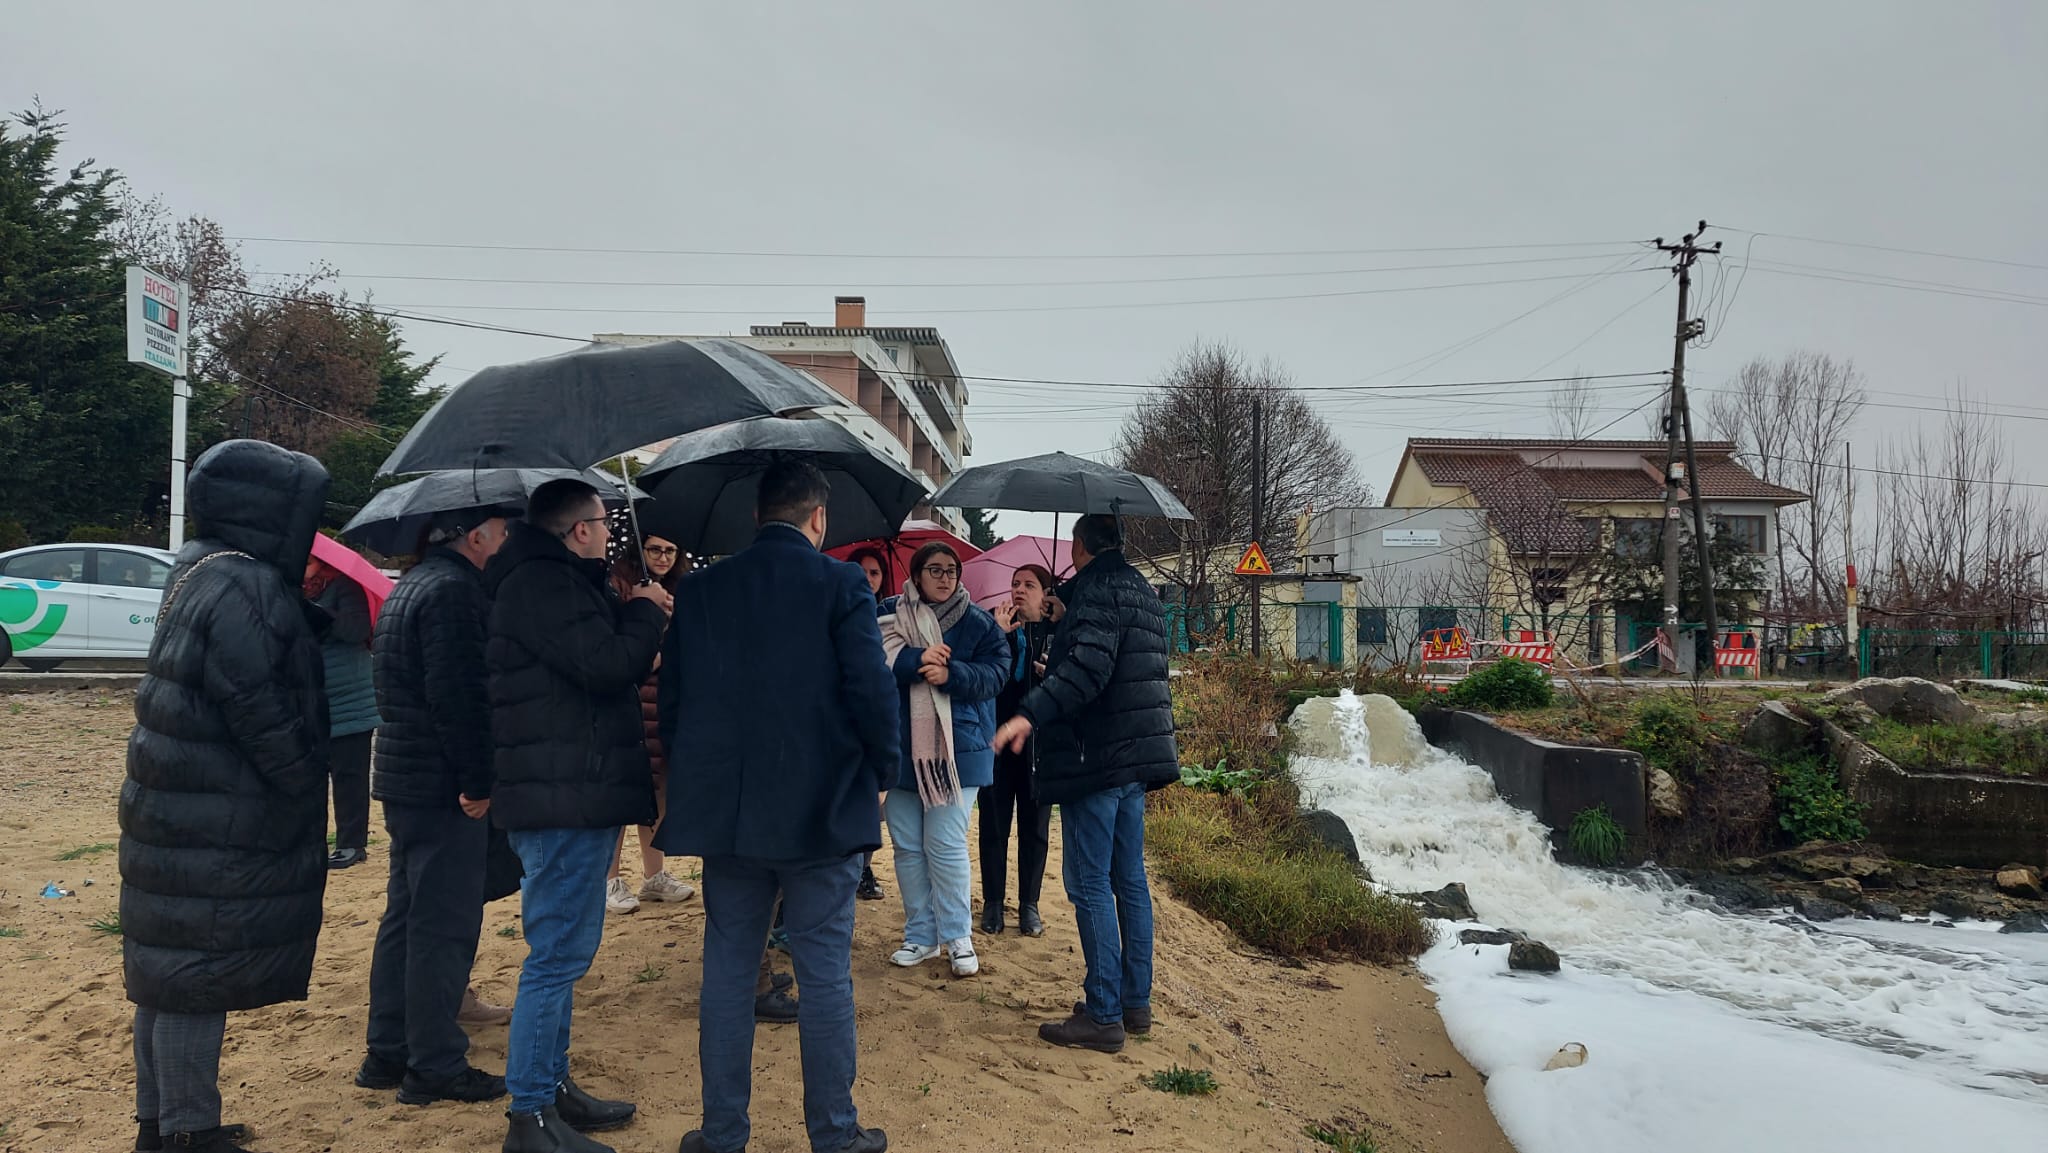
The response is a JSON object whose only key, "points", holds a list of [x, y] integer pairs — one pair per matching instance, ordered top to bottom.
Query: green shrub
{"points": [[12, 536], [1507, 684], [1670, 734], [1221, 779], [1812, 805], [1596, 836], [1275, 889], [107, 926], [1183, 1082], [1342, 1138]]}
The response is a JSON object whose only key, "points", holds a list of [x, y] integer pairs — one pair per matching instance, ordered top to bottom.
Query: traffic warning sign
{"points": [[1253, 562]]}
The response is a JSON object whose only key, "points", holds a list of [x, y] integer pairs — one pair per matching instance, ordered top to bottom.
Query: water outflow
{"points": [[1746, 1028]]}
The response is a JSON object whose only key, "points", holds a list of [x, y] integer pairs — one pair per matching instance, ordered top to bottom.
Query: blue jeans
{"points": [[1103, 838], [931, 866], [561, 911], [817, 912]]}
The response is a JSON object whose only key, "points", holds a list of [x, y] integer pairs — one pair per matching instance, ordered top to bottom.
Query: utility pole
{"points": [[1677, 421], [1258, 519], [1849, 554]]}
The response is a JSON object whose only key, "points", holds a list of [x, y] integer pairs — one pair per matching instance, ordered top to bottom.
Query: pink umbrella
{"points": [[897, 550], [339, 557], [988, 576]]}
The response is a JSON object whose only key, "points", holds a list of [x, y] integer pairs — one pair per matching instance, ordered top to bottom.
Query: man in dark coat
{"points": [[1107, 717], [782, 734], [569, 758], [433, 774], [224, 812]]}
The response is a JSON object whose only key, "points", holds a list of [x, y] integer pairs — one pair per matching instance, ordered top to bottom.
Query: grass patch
{"points": [[1965, 747], [1596, 837], [93, 850], [1278, 892], [107, 926], [9, 931], [509, 931], [650, 973], [1182, 1082], [1341, 1138]]}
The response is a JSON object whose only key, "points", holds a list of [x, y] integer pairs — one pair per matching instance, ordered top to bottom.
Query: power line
{"points": [[1888, 248], [1904, 285]]}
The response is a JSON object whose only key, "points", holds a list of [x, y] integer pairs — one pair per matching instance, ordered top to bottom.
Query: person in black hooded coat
{"points": [[224, 811]]}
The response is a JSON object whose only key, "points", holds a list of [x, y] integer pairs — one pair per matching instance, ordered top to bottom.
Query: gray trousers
{"points": [[177, 1069]]}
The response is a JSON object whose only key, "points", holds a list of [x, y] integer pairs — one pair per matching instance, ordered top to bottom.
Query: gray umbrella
{"points": [[577, 408], [1056, 482], [705, 483], [392, 521]]}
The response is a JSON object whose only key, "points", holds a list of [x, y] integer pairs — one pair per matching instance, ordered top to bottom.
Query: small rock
{"points": [[1914, 700], [1774, 730], [1665, 795], [1330, 829], [1742, 866], [2015, 881], [1842, 889], [1739, 893], [1449, 903], [1969, 906], [1822, 909], [1882, 910], [2027, 923], [1489, 937], [1532, 957], [1567, 1057]]}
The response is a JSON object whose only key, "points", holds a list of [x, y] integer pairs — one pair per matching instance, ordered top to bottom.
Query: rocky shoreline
{"points": [[1825, 882]]}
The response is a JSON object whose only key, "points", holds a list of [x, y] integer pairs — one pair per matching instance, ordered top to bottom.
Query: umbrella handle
{"points": [[633, 519]]}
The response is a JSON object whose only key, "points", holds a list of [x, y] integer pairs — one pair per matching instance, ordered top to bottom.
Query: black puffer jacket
{"points": [[566, 660], [1104, 713], [435, 745], [224, 812]]}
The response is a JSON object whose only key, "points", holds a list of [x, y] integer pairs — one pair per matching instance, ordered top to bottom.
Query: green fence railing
{"points": [[1945, 653]]}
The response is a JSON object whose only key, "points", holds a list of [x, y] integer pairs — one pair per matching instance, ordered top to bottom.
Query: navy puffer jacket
{"points": [[345, 657], [974, 676], [224, 812]]}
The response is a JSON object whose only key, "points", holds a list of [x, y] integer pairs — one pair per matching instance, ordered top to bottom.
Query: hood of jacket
{"points": [[259, 498], [525, 544]]}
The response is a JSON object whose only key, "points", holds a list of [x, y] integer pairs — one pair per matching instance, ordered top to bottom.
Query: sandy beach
{"points": [[946, 1064]]}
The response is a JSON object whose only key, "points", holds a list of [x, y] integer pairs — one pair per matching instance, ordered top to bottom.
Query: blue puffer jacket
{"points": [[345, 651], [979, 669]]}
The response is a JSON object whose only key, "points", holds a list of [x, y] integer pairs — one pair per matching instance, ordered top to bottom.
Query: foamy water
{"points": [[1707, 1030]]}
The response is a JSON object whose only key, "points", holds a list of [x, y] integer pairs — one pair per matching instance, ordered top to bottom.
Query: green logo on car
{"points": [[18, 605]]}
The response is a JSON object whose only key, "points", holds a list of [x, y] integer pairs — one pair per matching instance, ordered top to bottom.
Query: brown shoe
{"points": [[479, 1013], [1137, 1022], [1081, 1031]]}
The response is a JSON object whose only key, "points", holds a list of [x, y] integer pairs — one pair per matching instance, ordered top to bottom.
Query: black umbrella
{"points": [[577, 408], [1056, 482], [705, 483], [393, 519]]}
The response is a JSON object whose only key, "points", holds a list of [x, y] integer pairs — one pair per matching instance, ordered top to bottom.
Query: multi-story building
{"points": [[902, 387]]}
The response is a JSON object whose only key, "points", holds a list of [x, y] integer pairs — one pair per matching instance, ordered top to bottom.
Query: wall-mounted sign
{"points": [[1411, 538]]}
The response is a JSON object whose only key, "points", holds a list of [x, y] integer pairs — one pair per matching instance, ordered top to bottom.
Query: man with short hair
{"points": [[566, 659], [1107, 717], [782, 732], [433, 775]]}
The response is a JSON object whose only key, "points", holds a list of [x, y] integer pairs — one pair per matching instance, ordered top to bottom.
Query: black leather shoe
{"points": [[346, 858], [870, 889], [992, 920], [1029, 922], [777, 982], [776, 1008], [1137, 1022], [1081, 1031], [380, 1074], [469, 1085], [587, 1114], [546, 1132], [149, 1140], [214, 1140], [867, 1141], [693, 1142]]}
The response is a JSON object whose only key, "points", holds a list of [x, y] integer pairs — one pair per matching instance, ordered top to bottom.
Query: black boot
{"points": [[870, 889], [992, 918], [1029, 922], [775, 1007], [377, 1073], [471, 1084], [589, 1114], [545, 1132], [149, 1140], [214, 1140]]}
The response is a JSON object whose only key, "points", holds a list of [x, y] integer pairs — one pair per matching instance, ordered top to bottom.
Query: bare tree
{"points": [[1825, 397], [1571, 409], [1756, 412], [1194, 433]]}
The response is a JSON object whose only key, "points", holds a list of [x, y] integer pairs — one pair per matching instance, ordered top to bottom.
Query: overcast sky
{"points": [[975, 167]]}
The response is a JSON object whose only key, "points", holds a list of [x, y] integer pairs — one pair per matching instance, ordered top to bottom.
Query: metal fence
{"points": [[1944, 653]]}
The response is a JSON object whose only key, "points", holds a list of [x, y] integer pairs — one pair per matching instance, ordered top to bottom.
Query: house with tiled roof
{"points": [[1517, 525]]}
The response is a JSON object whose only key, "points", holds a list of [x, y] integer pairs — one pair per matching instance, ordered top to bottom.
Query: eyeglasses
{"points": [[571, 530], [661, 550], [941, 572]]}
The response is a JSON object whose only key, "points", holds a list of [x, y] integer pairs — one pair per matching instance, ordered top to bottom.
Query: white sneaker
{"points": [[662, 887], [618, 896], [910, 956], [965, 963]]}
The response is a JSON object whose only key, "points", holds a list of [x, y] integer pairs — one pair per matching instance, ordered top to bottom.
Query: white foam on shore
{"points": [[1706, 1030]]}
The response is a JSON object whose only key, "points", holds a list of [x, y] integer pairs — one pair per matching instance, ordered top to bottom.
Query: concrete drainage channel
{"points": [[1553, 781]]}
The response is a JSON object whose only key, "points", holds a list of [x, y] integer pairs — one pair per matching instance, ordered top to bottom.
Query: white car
{"points": [[63, 602]]}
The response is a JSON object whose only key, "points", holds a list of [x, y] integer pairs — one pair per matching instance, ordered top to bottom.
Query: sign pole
{"points": [[157, 324], [180, 393]]}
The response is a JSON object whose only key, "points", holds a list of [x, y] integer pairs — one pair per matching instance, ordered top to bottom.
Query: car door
{"points": [[127, 587], [43, 602]]}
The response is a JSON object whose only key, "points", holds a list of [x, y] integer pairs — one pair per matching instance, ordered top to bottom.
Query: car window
{"points": [[57, 564], [132, 570]]}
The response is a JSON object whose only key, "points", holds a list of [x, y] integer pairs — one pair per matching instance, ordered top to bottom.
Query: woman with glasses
{"points": [[658, 562], [1027, 617], [950, 661]]}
